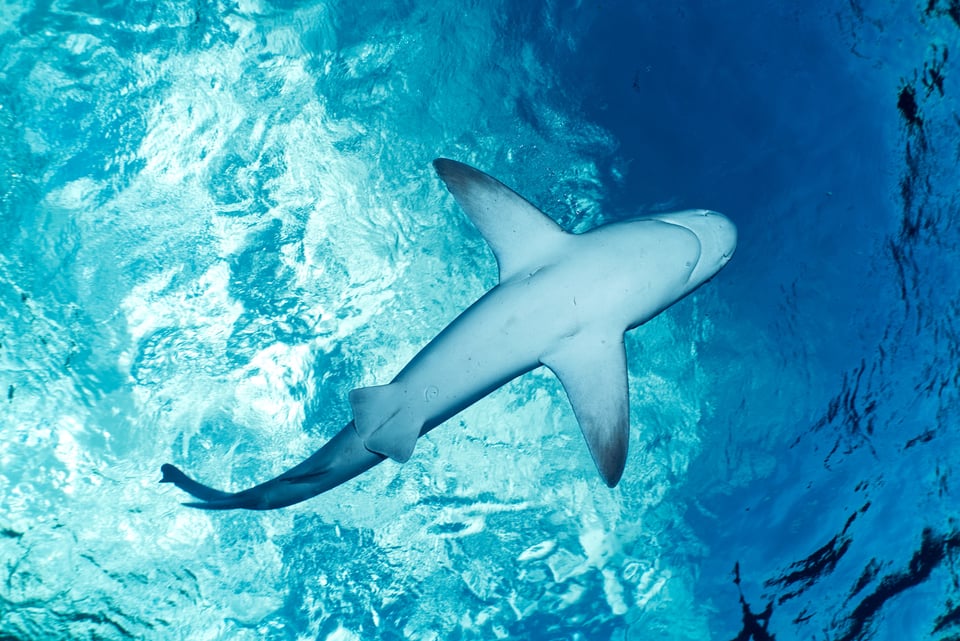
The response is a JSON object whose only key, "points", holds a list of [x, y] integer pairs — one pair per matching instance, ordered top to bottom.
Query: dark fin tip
{"points": [[454, 170], [170, 473]]}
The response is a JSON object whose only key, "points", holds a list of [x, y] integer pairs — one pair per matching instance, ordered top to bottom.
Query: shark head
{"points": [[717, 236]]}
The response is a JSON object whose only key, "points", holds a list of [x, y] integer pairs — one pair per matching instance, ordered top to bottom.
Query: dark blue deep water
{"points": [[218, 218]]}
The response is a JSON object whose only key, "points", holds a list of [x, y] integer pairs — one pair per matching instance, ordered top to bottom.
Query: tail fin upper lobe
{"points": [[343, 457]]}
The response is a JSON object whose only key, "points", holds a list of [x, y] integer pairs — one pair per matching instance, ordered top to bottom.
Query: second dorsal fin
{"points": [[521, 236]]}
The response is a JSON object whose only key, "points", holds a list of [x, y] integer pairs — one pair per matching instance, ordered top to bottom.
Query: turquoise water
{"points": [[219, 218]]}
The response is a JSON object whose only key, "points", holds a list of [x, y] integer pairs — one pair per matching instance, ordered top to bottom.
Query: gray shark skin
{"points": [[563, 301]]}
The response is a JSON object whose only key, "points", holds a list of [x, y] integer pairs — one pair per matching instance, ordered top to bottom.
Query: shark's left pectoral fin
{"points": [[593, 371]]}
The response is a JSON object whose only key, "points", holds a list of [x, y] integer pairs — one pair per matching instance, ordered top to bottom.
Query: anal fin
{"points": [[384, 423]]}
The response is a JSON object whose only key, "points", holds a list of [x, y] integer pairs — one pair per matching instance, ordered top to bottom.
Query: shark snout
{"points": [[716, 232], [724, 232]]}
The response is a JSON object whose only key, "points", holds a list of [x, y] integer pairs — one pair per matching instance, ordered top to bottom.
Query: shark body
{"points": [[563, 301]]}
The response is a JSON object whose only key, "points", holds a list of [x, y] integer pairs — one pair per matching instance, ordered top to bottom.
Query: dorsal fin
{"points": [[521, 236]]}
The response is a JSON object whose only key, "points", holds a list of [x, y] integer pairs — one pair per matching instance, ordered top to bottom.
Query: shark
{"points": [[563, 301]]}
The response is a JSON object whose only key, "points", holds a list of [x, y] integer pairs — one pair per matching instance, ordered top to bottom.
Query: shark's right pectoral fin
{"points": [[522, 237], [593, 371], [383, 422]]}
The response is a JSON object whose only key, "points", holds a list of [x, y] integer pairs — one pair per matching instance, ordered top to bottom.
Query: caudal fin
{"points": [[341, 459], [172, 474], [278, 492]]}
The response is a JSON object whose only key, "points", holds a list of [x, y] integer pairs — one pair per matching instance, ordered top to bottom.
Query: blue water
{"points": [[219, 218]]}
